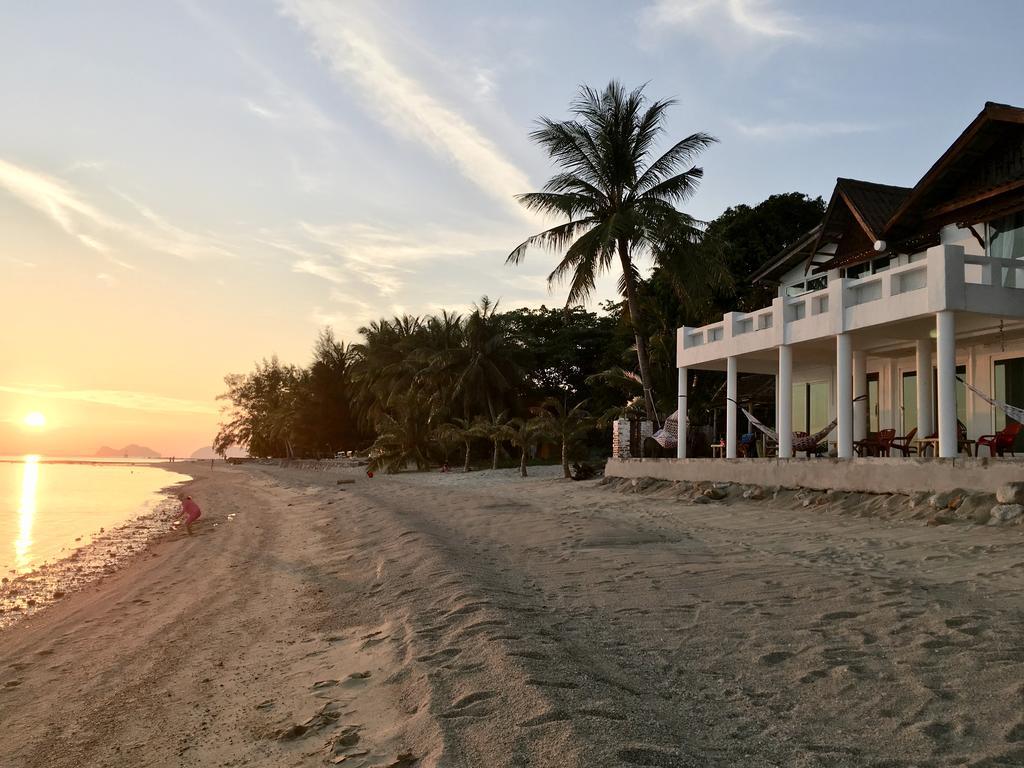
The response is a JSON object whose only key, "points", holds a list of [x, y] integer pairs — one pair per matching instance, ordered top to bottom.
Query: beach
{"points": [[482, 619]]}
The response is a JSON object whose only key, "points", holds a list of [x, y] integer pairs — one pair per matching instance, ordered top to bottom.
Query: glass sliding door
{"points": [[1009, 387], [909, 401], [873, 402]]}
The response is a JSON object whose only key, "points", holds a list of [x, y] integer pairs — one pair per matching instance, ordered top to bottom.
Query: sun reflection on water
{"points": [[26, 511]]}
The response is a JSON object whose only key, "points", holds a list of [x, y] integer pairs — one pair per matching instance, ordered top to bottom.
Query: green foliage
{"points": [[617, 195], [567, 425]]}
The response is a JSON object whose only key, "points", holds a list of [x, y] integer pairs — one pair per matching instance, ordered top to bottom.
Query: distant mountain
{"points": [[131, 451]]}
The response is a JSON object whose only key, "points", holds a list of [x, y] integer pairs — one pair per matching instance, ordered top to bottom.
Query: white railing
{"points": [[944, 277]]}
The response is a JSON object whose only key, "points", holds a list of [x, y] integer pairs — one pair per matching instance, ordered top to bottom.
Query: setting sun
{"points": [[35, 419]]}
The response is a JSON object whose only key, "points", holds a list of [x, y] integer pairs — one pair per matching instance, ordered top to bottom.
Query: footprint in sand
{"points": [[839, 616], [443, 655], [775, 657], [471, 705], [553, 716]]}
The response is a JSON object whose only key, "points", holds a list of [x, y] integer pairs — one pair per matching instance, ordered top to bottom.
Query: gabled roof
{"points": [[984, 131], [872, 204], [788, 258]]}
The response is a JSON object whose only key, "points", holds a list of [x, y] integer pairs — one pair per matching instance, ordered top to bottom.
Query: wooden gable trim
{"points": [[992, 111], [977, 198], [860, 218]]}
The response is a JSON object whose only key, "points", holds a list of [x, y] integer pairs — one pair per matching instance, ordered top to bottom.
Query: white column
{"points": [[945, 326], [860, 388], [924, 388], [844, 396], [784, 398], [730, 408], [681, 445]]}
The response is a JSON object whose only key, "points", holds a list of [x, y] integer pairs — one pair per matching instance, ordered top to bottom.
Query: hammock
{"points": [[1015, 413], [668, 435], [801, 442]]}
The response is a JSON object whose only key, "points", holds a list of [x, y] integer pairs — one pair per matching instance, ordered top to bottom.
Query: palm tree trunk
{"points": [[633, 303], [565, 460], [494, 461], [522, 463], [466, 468]]}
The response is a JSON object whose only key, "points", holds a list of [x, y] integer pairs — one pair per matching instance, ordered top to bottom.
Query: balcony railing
{"points": [[945, 278]]}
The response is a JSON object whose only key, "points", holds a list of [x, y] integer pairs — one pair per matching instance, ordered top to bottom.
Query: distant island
{"points": [[131, 451]]}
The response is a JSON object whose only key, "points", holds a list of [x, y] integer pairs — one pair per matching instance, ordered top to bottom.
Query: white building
{"points": [[893, 282]]}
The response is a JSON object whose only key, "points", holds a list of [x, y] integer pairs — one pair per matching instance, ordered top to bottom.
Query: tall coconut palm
{"points": [[619, 200], [464, 431]]}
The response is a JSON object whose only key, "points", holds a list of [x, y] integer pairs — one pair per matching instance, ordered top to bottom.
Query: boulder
{"points": [[715, 493], [754, 493], [1010, 493], [702, 500], [1002, 513]]}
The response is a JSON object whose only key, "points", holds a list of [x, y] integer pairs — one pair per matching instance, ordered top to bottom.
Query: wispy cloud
{"points": [[760, 19], [401, 102], [802, 130], [93, 227], [107, 279], [117, 398]]}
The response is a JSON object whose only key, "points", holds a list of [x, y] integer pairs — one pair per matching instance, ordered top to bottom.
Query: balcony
{"points": [[944, 279]]}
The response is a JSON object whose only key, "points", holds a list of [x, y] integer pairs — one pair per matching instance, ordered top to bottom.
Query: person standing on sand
{"points": [[190, 511]]}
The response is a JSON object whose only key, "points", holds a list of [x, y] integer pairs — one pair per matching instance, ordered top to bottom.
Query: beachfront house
{"points": [[890, 309]]}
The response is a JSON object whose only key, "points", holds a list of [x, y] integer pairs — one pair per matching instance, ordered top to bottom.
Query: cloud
{"points": [[759, 19], [402, 103], [261, 111], [797, 129], [57, 201], [66, 207], [19, 262], [108, 280], [117, 398]]}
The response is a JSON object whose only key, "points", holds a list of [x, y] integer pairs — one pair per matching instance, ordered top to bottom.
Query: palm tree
{"points": [[618, 201], [565, 424], [496, 429], [462, 430], [524, 433]]}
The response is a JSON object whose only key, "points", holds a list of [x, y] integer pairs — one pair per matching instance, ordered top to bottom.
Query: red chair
{"points": [[1001, 441], [903, 444]]}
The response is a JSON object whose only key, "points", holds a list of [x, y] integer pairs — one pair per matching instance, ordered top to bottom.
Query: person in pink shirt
{"points": [[190, 511]]}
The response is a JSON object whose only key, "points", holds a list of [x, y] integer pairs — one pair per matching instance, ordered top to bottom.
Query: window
{"points": [[1006, 241], [873, 267], [813, 284], [873, 402], [910, 402], [810, 406]]}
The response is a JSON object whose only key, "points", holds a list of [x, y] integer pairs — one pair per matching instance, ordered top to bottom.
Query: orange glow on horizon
{"points": [[34, 420]]}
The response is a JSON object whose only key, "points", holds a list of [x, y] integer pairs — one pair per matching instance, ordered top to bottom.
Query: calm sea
{"points": [[48, 507]]}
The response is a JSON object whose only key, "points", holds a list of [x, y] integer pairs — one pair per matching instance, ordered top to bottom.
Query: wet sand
{"points": [[486, 620]]}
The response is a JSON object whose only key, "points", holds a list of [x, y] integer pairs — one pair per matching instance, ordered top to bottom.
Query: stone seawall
{"points": [[886, 475]]}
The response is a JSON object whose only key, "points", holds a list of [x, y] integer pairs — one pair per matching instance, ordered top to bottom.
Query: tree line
{"points": [[417, 390]]}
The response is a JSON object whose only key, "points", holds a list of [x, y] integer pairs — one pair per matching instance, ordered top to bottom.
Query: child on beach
{"points": [[190, 511]]}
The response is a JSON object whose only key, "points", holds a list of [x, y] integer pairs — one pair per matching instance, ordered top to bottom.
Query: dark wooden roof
{"points": [[980, 176], [872, 204], [788, 258]]}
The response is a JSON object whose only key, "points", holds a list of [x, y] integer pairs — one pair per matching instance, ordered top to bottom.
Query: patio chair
{"points": [[885, 438], [1001, 441], [962, 443], [903, 444]]}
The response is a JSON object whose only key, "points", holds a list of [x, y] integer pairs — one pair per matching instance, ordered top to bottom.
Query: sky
{"points": [[188, 186]]}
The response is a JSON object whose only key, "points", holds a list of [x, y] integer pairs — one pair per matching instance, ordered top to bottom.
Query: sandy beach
{"points": [[486, 620]]}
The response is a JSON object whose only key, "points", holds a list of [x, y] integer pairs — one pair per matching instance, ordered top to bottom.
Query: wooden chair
{"points": [[885, 438], [1001, 441], [962, 443], [903, 444]]}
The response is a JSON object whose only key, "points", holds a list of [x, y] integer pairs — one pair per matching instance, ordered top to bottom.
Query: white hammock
{"points": [[1015, 413], [668, 435]]}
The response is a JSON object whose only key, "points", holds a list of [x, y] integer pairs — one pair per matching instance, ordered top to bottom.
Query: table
{"points": [[717, 450]]}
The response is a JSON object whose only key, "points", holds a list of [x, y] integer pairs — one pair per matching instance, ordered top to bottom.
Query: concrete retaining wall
{"points": [[895, 475]]}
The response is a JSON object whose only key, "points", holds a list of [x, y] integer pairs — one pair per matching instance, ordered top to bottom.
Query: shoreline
{"points": [[107, 552]]}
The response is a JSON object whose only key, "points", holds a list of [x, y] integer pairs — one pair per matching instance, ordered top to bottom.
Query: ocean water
{"points": [[50, 508]]}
